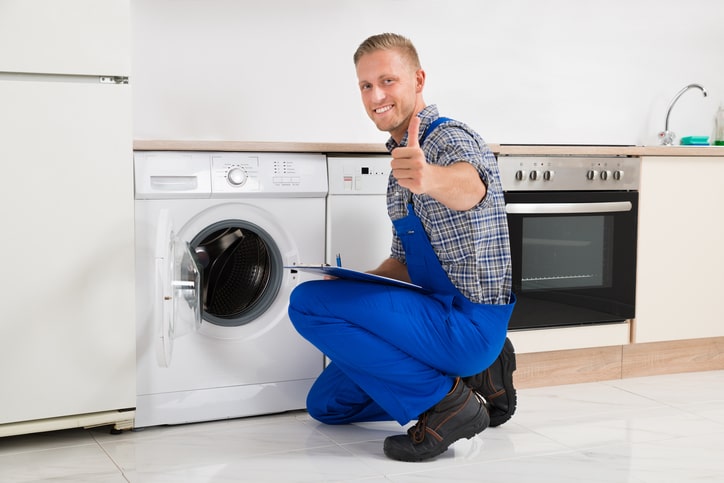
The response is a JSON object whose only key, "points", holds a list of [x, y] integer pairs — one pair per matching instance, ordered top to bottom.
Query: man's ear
{"points": [[419, 80]]}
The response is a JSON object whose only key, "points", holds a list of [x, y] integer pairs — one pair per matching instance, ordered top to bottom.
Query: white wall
{"points": [[519, 71]]}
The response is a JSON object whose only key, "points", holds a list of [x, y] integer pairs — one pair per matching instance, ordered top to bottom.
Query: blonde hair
{"points": [[388, 41]]}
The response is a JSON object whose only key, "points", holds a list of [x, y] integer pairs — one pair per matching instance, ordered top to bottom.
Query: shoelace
{"points": [[418, 431]]}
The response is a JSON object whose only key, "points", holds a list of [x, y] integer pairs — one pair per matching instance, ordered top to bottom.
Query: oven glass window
{"points": [[567, 252]]}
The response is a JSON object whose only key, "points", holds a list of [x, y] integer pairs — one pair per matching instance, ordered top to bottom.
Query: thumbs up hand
{"points": [[413, 133], [408, 162]]}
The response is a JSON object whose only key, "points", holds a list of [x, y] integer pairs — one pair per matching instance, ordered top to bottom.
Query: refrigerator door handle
{"points": [[107, 79]]}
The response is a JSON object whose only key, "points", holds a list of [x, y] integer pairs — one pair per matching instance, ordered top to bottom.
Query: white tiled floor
{"points": [[653, 429]]}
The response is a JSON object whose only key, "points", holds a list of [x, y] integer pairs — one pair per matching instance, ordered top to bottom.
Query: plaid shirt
{"points": [[473, 245]]}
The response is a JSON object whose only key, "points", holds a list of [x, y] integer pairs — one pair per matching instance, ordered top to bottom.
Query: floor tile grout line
{"points": [[109, 456]]}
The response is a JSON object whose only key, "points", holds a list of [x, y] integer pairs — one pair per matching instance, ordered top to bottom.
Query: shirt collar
{"points": [[427, 115]]}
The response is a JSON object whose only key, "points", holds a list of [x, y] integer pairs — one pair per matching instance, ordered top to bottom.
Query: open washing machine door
{"points": [[177, 298]]}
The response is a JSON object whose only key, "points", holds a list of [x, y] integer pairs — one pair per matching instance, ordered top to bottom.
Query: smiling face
{"points": [[391, 89]]}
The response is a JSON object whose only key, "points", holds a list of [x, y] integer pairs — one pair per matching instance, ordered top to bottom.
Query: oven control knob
{"points": [[520, 175], [533, 175], [548, 175], [591, 175], [605, 175], [617, 175], [236, 176]]}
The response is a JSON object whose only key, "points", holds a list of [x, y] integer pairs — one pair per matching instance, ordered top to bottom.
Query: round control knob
{"points": [[520, 175], [533, 175], [548, 175], [591, 175], [605, 175], [617, 175], [236, 176]]}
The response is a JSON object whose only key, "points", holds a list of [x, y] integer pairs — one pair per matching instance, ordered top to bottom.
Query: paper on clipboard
{"points": [[349, 274]]}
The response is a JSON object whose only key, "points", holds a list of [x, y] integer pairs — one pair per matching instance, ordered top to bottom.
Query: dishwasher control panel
{"points": [[358, 175]]}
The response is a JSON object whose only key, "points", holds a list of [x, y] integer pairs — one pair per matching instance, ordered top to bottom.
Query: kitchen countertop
{"points": [[280, 147], [499, 149], [506, 149]]}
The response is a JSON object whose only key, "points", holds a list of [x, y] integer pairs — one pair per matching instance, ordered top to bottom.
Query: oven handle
{"points": [[565, 208]]}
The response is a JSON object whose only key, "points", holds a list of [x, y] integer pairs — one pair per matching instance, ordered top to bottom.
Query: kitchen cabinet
{"points": [[680, 287], [67, 333]]}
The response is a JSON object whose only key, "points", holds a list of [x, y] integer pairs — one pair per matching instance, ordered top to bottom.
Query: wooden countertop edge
{"points": [[279, 147], [499, 149], [610, 150]]}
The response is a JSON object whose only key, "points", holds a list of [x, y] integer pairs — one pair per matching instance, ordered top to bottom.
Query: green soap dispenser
{"points": [[719, 126]]}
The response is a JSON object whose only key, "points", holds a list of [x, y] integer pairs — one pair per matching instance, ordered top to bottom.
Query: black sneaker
{"points": [[495, 384], [460, 414]]}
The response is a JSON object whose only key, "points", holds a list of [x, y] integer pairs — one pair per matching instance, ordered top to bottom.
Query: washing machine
{"points": [[358, 227], [213, 233]]}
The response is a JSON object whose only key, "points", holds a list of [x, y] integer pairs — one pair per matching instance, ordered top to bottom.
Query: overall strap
{"points": [[432, 126]]}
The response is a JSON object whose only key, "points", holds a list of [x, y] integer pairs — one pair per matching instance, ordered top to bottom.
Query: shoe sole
{"points": [[509, 366], [467, 433]]}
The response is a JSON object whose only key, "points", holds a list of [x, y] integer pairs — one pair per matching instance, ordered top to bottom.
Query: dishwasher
{"points": [[358, 228]]}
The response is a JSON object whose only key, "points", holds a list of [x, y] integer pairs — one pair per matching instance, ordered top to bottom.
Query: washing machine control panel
{"points": [[231, 172], [267, 173]]}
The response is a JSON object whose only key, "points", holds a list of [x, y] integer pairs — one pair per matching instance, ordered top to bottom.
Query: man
{"points": [[399, 353]]}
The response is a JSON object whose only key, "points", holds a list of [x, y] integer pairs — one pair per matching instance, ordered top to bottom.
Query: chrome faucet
{"points": [[666, 136]]}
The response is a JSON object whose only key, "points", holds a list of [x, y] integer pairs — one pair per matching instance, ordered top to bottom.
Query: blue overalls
{"points": [[395, 351]]}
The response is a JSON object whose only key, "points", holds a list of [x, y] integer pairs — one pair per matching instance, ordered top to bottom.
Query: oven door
{"points": [[573, 257]]}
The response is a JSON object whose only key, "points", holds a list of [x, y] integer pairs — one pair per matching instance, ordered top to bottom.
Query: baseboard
{"points": [[691, 355], [573, 366], [121, 419]]}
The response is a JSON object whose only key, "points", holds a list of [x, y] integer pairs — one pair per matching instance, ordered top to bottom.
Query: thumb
{"points": [[413, 131]]}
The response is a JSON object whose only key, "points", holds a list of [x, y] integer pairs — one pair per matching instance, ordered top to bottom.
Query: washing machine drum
{"points": [[241, 272]]}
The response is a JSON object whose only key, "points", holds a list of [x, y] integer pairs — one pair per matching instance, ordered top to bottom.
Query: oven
{"points": [[573, 225]]}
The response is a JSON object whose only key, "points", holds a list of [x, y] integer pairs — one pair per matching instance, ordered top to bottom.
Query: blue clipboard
{"points": [[349, 274]]}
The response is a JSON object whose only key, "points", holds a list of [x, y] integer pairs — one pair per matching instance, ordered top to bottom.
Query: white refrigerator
{"points": [[67, 330]]}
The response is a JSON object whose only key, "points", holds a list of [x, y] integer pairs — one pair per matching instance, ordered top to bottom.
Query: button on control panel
{"points": [[236, 176]]}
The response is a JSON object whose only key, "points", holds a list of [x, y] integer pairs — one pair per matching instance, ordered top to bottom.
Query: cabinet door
{"points": [[90, 37], [681, 235], [67, 331]]}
